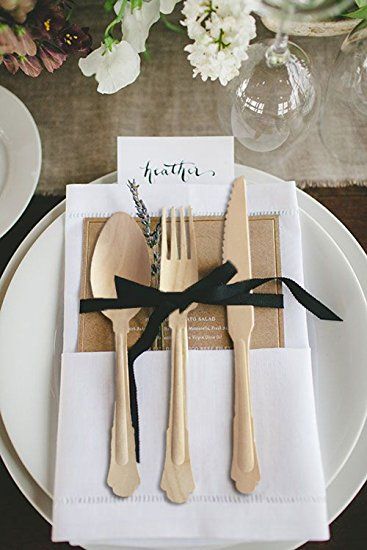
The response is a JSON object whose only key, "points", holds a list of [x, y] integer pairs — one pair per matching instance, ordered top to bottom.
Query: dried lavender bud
{"points": [[152, 237]]}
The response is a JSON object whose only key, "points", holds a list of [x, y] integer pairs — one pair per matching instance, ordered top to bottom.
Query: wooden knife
{"points": [[240, 319]]}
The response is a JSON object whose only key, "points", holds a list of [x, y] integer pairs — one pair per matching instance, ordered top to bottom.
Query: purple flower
{"points": [[48, 19], [74, 39], [52, 58]]}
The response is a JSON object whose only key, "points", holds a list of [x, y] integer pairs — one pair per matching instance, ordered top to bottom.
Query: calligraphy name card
{"points": [[181, 160]]}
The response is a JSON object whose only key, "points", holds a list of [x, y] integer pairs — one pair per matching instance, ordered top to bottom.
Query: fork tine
{"points": [[183, 239], [174, 244], [164, 246], [193, 251]]}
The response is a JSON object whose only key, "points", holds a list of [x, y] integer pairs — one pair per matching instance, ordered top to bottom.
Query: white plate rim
{"points": [[37, 158], [16, 259]]}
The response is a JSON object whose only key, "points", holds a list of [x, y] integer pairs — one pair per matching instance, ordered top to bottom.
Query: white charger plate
{"points": [[20, 158], [346, 484]]}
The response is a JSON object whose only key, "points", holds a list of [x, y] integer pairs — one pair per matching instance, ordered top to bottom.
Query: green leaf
{"points": [[361, 3], [109, 4], [358, 14]]}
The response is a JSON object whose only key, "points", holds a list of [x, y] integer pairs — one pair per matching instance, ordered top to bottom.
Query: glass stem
{"points": [[281, 42], [278, 53]]}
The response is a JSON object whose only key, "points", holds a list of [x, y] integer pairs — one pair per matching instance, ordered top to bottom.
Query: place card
{"points": [[181, 160], [207, 324]]}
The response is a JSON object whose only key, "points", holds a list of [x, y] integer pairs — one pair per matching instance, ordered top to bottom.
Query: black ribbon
{"points": [[211, 289]]}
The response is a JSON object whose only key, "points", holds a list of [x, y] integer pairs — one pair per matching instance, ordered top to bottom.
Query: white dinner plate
{"points": [[20, 158], [343, 489]]}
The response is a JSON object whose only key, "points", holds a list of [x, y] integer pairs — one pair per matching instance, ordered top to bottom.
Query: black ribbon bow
{"points": [[211, 289]]}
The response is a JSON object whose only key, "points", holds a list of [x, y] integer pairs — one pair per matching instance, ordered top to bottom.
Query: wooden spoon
{"points": [[120, 250]]}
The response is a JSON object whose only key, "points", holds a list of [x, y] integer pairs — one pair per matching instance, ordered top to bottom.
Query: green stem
{"points": [[117, 19], [171, 26], [220, 41]]}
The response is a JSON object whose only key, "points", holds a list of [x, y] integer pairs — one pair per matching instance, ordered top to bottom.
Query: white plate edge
{"points": [[32, 189]]}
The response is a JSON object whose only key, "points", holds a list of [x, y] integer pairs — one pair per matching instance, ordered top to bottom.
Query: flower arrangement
{"points": [[37, 35]]}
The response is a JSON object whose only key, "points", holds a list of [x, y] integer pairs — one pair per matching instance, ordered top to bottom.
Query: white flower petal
{"points": [[117, 6], [167, 6], [230, 21], [136, 23], [90, 64], [120, 67]]}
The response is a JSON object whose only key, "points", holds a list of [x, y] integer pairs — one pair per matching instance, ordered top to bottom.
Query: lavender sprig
{"points": [[152, 237]]}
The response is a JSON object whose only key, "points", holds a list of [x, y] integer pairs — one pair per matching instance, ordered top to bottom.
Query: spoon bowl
{"points": [[120, 250]]}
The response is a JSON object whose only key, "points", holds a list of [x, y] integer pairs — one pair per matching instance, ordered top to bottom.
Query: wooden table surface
{"points": [[22, 528]]}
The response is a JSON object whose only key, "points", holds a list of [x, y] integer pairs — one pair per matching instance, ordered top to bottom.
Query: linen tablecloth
{"points": [[78, 126]]}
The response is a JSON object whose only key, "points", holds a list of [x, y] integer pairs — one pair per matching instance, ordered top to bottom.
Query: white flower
{"points": [[167, 6], [136, 23], [221, 30], [114, 69]]}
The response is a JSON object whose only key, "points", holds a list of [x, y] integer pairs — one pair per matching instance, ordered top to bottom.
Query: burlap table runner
{"points": [[78, 126]]}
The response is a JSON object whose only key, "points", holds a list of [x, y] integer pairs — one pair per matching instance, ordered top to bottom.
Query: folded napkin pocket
{"points": [[289, 502]]}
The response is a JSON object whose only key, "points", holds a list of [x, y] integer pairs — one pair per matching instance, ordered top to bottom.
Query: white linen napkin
{"points": [[289, 502]]}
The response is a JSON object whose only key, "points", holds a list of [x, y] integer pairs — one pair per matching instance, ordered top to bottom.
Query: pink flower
{"points": [[8, 40], [26, 45], [51, 57], [11, 63], [30, 65]]}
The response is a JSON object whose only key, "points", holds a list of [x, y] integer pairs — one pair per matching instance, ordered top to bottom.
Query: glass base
{"points": [[269, 107]]}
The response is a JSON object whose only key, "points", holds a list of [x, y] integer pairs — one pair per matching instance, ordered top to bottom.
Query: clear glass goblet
{"points": [[275, 99]]}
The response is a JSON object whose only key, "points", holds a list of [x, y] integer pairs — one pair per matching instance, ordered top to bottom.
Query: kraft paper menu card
{"points": [[183, 160], [207, 324]]}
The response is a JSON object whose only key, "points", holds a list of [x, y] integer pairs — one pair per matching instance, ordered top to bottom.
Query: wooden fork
{"points": [[179, 269]]}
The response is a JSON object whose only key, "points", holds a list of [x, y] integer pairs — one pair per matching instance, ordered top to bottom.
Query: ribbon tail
{"points": [[306, 299], [309, 302], [144, 343], [134, 409]]}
